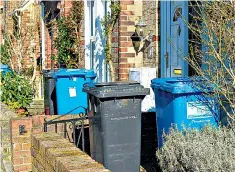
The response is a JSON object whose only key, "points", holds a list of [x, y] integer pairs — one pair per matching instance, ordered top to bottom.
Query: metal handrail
{"points": [[68, 113], [75, 126]]}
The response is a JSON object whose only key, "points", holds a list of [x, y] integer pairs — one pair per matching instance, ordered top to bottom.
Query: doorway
{"points": [[174, 38]]}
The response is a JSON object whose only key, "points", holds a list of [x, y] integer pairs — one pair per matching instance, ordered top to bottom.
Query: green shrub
{"points": [[5, 56], [16, 91], [207, 150]]}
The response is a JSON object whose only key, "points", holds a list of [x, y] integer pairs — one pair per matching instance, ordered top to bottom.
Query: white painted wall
{"points": [[99, 64]]}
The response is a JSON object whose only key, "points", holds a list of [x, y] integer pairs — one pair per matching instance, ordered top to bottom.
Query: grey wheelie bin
{"points": [[49, 91], [114, 109]]}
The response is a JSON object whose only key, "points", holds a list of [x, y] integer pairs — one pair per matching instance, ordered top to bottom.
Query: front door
{"points": [[95, 10], [174, 38]]}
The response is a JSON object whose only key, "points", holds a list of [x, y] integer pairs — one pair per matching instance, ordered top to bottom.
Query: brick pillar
{"points": [[66, 5], [126, 29], [21, 144]]}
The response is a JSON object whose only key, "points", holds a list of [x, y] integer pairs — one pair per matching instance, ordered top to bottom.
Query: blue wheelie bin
{"points": [[4, 69], [69, 95], [182, 103]]}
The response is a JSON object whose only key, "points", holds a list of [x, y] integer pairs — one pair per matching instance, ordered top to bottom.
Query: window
{"points": [[177, 14], [15, 25]]}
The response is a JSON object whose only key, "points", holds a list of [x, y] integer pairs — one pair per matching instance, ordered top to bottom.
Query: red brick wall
{"points": [[66, 5], [65, 8], [31, 20], [1, 21], [30, 23], [125, 42], [47, 49], [124, 53], [21, 144], [51, 152], [21, 155]]}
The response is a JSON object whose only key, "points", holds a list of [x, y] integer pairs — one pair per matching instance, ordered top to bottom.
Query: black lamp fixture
{"points": [[140, 25], [139, 36]]}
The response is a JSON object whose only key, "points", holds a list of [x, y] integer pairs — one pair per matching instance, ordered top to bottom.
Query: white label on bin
{"points": [[74, 79], [72, 92], [198, 109]]}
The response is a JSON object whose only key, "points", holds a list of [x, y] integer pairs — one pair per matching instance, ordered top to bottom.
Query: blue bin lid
{"points": [[4, 66], [64, 73], [181, 85]]}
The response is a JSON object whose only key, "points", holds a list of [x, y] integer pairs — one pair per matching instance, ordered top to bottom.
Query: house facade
{"points": [[159, 19], [125, 53]]}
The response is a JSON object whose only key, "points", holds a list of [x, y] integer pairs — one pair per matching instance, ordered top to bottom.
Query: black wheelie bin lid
{"points": [[49, 73], [115, 89]]}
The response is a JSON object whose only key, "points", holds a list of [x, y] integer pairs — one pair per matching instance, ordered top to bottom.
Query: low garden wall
{"points": [[5, 137], [25, 147], [51, 152]]}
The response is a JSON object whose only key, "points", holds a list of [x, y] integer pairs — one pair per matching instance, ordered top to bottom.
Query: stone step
{"points": [[38, 102], [36, 107]]}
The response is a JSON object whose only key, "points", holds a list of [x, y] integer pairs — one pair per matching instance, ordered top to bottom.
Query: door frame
{"points": [[94, 12]]}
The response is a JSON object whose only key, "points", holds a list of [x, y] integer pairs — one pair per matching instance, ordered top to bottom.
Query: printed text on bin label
{"points": [[72, 92], [198, 110]]}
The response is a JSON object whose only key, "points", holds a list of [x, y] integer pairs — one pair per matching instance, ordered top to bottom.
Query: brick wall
{"points": [[64, 7], [29, 15], [151, 17], [1, 21], [30, 24], [126, 29], [125, 56], [128, 58], [5, 137], [21, 144], [25, 151], [51, 152], [21, 155]]}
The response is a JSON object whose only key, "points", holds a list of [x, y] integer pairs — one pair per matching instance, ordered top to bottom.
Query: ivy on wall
{"points": [[109, 23], [67, 38]]}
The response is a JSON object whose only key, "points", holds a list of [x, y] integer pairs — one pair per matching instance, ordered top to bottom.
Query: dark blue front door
{"points": [[174, 38]]}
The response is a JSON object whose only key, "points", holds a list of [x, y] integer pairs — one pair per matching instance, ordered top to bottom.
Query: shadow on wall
{"points": [[99, 50], [96, 52]]}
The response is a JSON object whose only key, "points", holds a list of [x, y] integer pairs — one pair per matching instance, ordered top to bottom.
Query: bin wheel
{"points": [[82, 114], [154, 169]]}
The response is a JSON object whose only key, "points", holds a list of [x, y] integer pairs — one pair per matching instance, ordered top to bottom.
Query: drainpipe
{"points": [[43, 36], [52, 38]]}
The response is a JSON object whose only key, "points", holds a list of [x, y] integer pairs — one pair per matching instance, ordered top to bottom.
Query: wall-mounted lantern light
{"points": [[140, 25], [139, 36]]}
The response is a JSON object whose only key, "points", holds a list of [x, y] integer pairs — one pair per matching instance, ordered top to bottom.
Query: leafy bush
{"points": [[67, 37], [5, 56], [16, 92], [209, 150]]}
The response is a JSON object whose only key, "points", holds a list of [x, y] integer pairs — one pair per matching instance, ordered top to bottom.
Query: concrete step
{"points": [[38, 102], [36, 107]]}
